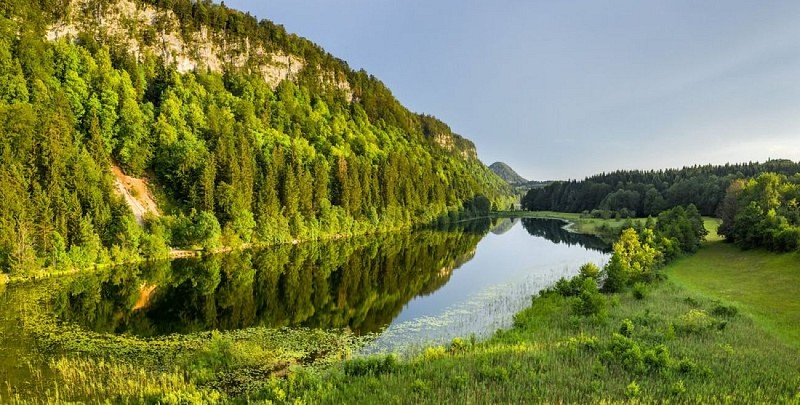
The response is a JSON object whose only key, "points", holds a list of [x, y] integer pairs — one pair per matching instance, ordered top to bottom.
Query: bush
{"points": [[590, 270], [639, 290], [590, 301], [724, 310], [695, 321], [626, 329], [458, 345], [433, 353], [657, 358], [373, 366], [498, 373], [633, 390]]}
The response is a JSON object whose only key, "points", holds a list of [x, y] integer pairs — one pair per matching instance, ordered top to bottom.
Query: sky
{"points": [[564, 89]]}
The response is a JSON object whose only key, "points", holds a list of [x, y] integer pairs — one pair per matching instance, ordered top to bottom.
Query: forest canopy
{"points": [[232, 159], [642, 193]]}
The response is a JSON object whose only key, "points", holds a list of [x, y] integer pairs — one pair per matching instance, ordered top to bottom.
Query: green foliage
{"points": [[259, 164], [644, 193], [763, 212], [631, 260], [589, 270], [639, 290], [590, 302], [727, 311], [695, 321], [374, 366]]}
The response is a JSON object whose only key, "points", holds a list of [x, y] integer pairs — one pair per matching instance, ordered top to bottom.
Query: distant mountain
{"points": [[506, 173]]}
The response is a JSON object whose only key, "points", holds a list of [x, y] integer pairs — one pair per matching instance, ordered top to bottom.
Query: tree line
{"points": [[644, 193], [763, 212]]}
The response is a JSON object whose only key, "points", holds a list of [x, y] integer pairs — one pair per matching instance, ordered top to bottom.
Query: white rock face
{"points": [[124, 22]]}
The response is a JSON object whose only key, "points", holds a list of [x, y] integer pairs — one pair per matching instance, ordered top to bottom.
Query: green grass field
{"points": [[763, 284], [671, 346]]}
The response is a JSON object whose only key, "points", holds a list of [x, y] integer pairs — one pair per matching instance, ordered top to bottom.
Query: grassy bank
{"points": [[763, 284], [667, 342], [669, 346]]}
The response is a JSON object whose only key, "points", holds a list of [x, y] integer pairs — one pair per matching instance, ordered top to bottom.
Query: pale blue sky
{"points": [[568, 88]]}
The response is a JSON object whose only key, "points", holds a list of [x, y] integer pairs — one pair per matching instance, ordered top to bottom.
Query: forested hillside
{"points": [[249, 134], [506, 173], [643, 193]]}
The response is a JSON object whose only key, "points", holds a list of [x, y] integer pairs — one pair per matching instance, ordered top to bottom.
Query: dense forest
{"points": [[325, 151], [644, 193]]}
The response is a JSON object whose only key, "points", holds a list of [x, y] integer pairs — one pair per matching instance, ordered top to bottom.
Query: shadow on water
{"points": [[554, 231], [359, 284]]}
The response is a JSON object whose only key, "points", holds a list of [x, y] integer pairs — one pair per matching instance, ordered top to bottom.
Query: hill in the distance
{"points": [[506, 173]]}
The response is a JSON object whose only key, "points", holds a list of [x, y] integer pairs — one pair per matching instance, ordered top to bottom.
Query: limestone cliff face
{"points": [[142, 29], [145, 30], [449, 142]]}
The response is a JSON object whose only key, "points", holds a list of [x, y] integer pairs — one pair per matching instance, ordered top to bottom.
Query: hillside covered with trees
{"points": [[249, 134], [506, 173], [644, 193]]}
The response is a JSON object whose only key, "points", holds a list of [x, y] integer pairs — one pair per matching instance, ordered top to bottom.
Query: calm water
{"points": [[422, 286]]}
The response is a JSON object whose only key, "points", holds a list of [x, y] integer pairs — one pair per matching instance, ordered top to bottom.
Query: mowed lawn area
{"points": [[764, 284]]}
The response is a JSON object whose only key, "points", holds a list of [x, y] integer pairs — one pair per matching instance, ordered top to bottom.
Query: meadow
{"points": [[762, 284]]}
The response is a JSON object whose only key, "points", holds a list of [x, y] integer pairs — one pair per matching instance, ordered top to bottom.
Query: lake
{"points": [[404, 289]]}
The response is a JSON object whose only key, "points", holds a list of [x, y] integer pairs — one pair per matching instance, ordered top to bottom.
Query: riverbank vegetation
{"points": [[620, 333], [645, 340]]}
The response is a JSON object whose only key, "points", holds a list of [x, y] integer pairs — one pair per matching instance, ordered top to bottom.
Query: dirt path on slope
{"points": [[136, 193]]}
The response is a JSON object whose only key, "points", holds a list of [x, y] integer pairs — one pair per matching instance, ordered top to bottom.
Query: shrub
{"points": [[590, 270], [568, 288], [639, 290], [590, 301], [724, 310], [694, 322], [626, 329], [583, 341], [458, 345], [626, 352], [433, 353], [657, 358], [374, 366], [496, 373], [419, 386], [678, 388], [632, 390]]}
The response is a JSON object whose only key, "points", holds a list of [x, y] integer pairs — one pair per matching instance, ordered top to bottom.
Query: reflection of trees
{"points": [[504, 225], [553, 230], [361, 284]]}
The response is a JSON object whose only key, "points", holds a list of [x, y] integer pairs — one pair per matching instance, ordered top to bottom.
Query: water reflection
{"points": [[554, 231], [362, 284]]}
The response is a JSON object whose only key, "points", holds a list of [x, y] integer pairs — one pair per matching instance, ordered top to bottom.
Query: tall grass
{"points": [[669, 346]]}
